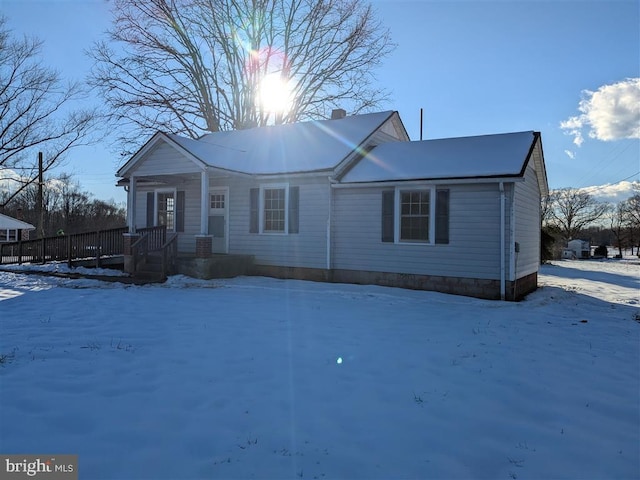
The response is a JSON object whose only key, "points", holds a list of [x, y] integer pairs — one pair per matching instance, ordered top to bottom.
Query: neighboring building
{"points": [[351, 200], [12, 229], [580, 248]]}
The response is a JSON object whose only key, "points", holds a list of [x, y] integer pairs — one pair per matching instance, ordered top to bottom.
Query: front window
{"points": [[274, 209], [166, 210], [414, 215]]}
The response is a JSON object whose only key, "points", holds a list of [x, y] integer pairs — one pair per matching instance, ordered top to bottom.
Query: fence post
{"points": [[98, 248], [20, 251], [69, 251]]}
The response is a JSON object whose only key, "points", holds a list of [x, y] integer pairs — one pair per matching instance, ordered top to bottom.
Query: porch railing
{"points": [[154, 239], [88, 245], [170, 255]]}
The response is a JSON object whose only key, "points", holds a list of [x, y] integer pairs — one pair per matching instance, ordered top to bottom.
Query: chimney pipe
{"points": [[338, 113]]}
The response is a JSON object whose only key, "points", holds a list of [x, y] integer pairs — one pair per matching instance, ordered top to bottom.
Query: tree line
{"points": [[68, 209], [571, 213]]}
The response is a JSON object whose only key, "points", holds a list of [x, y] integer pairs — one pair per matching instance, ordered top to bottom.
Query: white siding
{"points": [[165, 160], [141, 207], [527, 223], [474, 235], [186, 239], [304, 249]]}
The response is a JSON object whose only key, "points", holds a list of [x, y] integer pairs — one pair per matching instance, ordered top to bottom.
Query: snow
{"points": [[290, 148], [465, 157], [10, 223], [263, 378]]}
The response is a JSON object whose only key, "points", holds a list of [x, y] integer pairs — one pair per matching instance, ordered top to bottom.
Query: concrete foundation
{"points": [[215, 266], [472, 287]]}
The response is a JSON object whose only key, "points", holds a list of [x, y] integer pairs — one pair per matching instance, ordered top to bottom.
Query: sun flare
{"points": [[275, 94]]}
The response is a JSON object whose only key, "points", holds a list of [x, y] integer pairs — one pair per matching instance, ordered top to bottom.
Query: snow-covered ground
{"points": [[265, 378]]}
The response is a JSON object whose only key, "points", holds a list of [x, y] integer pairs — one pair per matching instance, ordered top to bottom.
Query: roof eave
{"points": [[434, 180]]}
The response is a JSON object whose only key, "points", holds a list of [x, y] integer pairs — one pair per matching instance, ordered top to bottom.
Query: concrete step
{"points": [[149, 277]]}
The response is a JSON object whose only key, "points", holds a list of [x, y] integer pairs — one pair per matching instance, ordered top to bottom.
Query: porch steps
{"points": [[150, 270]]}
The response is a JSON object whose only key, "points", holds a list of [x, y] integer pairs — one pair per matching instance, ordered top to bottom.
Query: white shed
{"points": [[581, 248]]}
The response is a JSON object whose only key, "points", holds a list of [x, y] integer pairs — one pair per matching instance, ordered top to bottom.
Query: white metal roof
{"points": [[290, 148], [501, 155], [10, 223]]}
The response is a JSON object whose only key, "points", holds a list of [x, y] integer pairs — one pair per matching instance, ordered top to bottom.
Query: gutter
{"points": [[430, 181]]}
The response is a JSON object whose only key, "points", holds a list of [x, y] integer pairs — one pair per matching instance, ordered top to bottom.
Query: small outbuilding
{"points": [[12, 229], [580, 248]]}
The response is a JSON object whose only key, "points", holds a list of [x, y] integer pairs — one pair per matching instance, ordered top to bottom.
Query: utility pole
{"points": [[40, 199]]}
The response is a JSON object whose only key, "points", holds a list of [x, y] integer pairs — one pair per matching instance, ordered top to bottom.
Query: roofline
{"points": [[158, 136], [344, 164], [543, 164], [542, 175], [421, 181], [23, 225]]}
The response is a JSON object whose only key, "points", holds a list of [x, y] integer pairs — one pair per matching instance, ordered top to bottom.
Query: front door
{"points": [[219, 219]]}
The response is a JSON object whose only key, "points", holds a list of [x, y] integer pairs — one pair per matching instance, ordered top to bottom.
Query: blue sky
{"points": [[475, 67]]}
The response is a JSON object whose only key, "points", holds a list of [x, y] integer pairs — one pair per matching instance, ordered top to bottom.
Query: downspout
{"points": [[502, 244], [328, 265]]}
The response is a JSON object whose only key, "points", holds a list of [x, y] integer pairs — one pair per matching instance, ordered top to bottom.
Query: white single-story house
{"points": [[351, 199], [12, 229], [580, 248]]}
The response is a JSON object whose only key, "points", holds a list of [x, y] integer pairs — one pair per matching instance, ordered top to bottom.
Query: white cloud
{"points": [[610, 113], [570, 154], [9, 179], [613, 192]]}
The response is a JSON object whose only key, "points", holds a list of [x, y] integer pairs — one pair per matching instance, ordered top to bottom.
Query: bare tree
{"points": [[197, 66], [35, 113], [68, 207], [573, 209], [631, 212], [618, 225]]}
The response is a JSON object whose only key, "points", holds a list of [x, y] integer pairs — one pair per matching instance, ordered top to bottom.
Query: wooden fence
{"points": [[89, 245]]}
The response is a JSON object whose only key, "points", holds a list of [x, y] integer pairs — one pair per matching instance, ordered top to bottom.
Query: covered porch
{"points": [[194, 206], [179, 223]]}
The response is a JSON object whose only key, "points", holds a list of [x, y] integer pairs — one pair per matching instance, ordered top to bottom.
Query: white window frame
{"points": [[273, 186], [174, 191], [221, 211], [398, 214]]}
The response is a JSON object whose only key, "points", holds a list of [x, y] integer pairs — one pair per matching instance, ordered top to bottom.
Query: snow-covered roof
{"points": [[297, 147], [487, 156], [10, 223]]}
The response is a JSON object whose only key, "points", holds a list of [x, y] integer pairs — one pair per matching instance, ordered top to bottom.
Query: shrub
{"points": [[601, 251]]}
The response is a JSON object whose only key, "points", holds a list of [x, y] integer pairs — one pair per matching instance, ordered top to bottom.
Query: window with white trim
{"points": [[217, 200], [274, 210], [414, 215], [417, 215]]}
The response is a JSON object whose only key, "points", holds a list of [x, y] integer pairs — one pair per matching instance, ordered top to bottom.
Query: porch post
{"points": [[204, 203], [131, 205]]}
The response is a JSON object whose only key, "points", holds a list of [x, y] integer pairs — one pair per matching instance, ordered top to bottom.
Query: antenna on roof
{"points": [[420, 124]]}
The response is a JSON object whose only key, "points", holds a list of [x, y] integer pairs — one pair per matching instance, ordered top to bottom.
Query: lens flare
{"points": [[276, 94]]}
